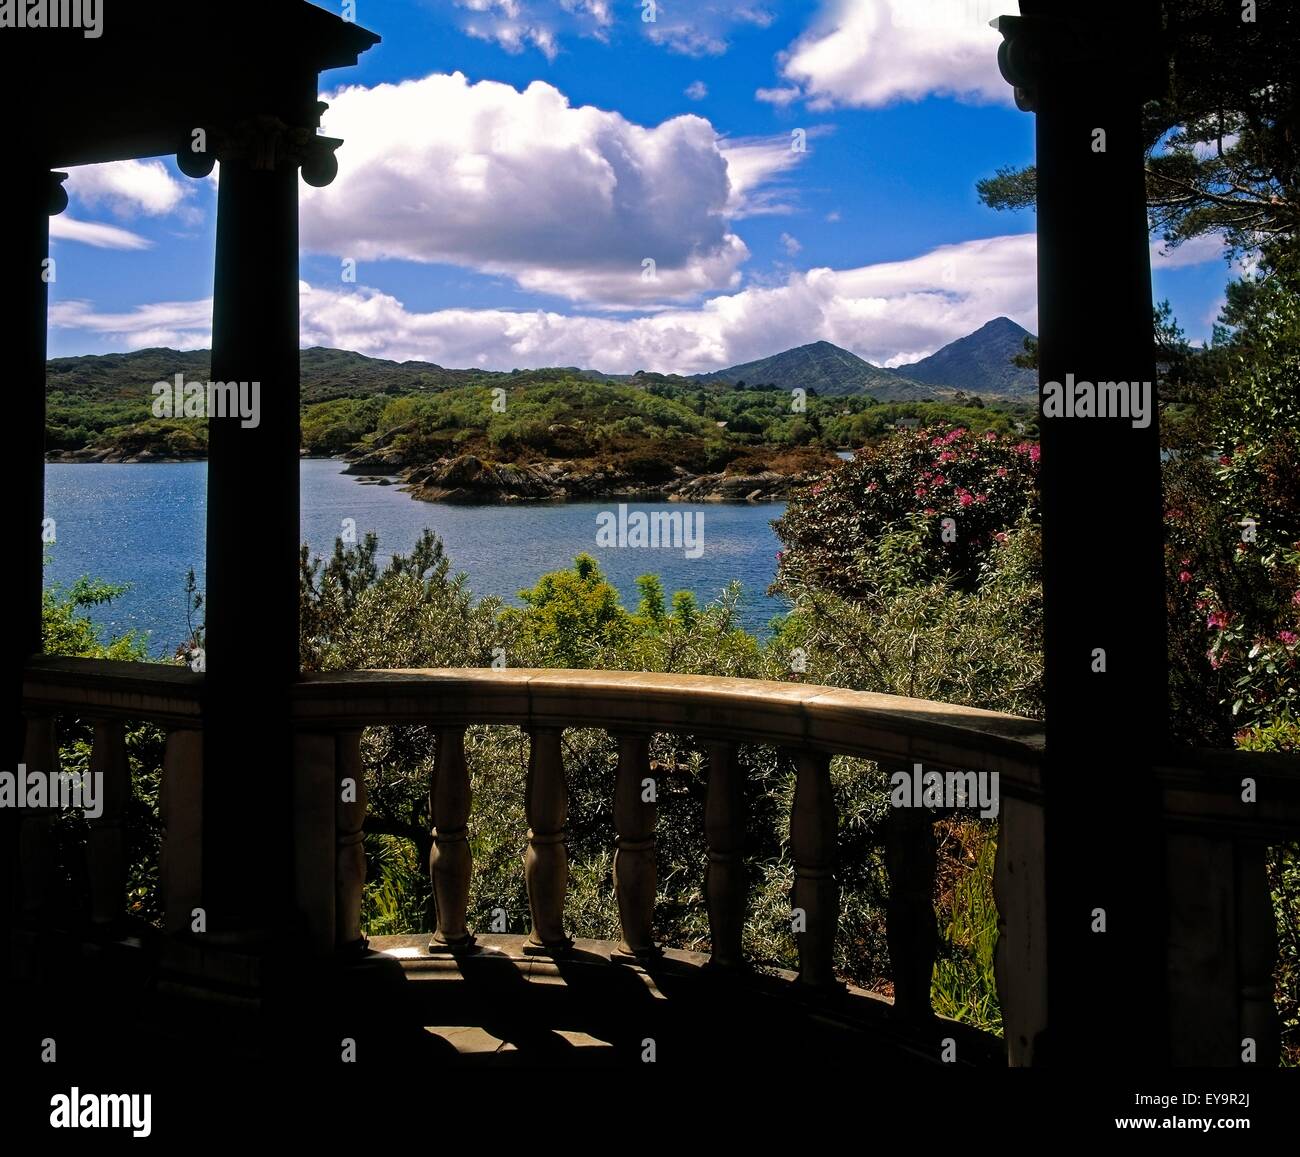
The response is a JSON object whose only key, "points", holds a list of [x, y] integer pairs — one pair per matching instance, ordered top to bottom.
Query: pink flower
{"points": [[990, 436], [1034, 453], [947, 456], [1224, 460], [1002, 471], [938, 480], [920, 492], [981, 498], [966, 499], [928, 511], [1000, 536], [1184, 576], [1295, 599], [1216, 620], [1289, 638], [1215, 661]]}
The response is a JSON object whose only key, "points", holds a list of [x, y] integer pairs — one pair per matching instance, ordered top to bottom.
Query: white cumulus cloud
{"points": [[872, 53], [128, 188], [566, 201], [889, 313]]}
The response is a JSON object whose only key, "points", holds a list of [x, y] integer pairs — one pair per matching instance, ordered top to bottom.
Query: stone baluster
{"points": [[635, 792], [316, 794], [181, 811], [36, 835], [106, 843], [812, 844], [350, 852], [450, 862], [546, 862], [724, 877], [909, 910], [1256, 954], [1020, 960]]}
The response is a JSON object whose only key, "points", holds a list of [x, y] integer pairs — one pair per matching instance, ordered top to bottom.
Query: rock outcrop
{"points": [[470, 479]]}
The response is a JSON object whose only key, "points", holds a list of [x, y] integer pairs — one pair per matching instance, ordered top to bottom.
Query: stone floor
{"points": [[589, 1007], [397, 1009]]}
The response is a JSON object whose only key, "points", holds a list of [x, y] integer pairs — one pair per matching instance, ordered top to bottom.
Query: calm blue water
{"points": [[143, 525]]}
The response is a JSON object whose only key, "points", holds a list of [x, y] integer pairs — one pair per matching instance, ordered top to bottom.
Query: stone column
{"points": [[1086, 73], [35, 194], [251, 642]]}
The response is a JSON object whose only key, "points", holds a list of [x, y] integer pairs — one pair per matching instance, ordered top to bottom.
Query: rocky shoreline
{"points": [[115, 457], [469, 479]]}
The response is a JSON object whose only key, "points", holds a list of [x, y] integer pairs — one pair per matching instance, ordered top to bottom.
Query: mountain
{"points": [[980, 363], [821, 366]]}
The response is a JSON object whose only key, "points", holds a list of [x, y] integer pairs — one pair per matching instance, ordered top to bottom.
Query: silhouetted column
{"points": [[1086, 73], [33, 194], [251, 640]]}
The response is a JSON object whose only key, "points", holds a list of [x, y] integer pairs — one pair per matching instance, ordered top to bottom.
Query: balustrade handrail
{"points": [[114, 689], [891, 728], [1202, 784]]}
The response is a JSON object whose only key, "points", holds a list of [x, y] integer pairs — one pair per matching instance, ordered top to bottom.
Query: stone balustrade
{"points": [[812, 723], [1216, 839]]}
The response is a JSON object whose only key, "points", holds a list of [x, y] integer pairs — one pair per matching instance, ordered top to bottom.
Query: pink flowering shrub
{"points": [[881, 516]]}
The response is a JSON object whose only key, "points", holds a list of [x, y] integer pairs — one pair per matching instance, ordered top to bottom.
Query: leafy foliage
{"points": [[1233, 546]]}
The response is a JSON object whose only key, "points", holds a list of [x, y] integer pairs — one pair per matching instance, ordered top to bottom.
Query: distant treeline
{"points": [[516, 417]]}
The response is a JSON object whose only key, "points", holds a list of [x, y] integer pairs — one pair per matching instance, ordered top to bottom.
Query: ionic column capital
{"points": [[1060, 47], [1020, 57], [264, 143], [58, 195]]}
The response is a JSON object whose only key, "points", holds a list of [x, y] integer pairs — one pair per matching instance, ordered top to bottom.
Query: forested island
{"points": [[547, 434]]}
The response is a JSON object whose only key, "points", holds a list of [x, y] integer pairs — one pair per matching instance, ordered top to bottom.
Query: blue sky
{"points": [[794, 170]]}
